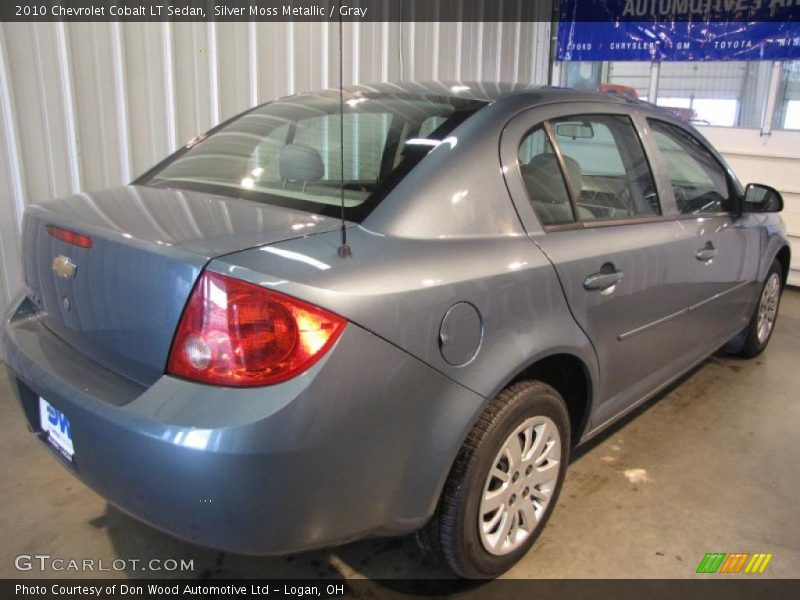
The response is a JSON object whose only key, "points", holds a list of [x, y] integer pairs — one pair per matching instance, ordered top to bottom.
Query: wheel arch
{"points": [[784, 258], [564, 370], [570, 376]]}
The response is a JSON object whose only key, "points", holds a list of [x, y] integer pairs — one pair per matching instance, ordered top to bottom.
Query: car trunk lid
{"points": [[120, 301]]}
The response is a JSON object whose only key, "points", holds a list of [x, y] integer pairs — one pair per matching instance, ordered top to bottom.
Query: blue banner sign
{"points": [[679, 30]]}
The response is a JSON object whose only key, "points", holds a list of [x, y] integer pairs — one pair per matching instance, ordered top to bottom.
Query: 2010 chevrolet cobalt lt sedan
{"points": [[521, 267]]}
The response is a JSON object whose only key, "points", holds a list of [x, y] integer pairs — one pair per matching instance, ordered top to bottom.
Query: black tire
{"points": [[752, 347], [453, 534]]}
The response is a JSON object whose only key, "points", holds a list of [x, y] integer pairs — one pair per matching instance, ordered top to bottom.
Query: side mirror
{"points": [[762, 199]]}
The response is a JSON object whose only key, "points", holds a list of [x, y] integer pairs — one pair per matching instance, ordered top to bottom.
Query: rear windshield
{"points": [[289, 152]]}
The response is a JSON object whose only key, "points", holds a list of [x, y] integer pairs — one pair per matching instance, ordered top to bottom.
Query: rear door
{"points": [[588, 196]]}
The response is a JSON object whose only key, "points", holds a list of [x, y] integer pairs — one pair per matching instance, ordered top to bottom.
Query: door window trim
{"points": [[522, 123], [577, 222]]}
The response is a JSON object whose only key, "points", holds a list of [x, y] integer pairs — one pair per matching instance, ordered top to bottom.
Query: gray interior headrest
{"points": [[300, 163], [546, 182]]}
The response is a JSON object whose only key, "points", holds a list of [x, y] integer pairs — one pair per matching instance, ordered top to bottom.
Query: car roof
{"points": [[484, 91], [512, 96]]}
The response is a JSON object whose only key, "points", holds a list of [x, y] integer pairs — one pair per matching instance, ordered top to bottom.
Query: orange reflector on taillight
{"points": [[69, 237]]}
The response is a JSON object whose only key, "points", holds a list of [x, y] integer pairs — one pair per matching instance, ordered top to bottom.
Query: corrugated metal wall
{"points": [[85, 106]]}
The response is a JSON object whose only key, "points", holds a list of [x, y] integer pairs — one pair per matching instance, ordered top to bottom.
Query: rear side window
{"points": [[606, 166], [544, 180], [698, 181]]}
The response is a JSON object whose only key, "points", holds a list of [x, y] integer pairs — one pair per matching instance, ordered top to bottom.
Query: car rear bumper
{"points": [[359, 445]]}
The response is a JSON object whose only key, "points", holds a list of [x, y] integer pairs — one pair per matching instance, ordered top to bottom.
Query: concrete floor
{"points": [[711, 465]]}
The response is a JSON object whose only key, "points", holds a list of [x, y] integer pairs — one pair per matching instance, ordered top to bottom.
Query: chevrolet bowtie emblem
{"points": [[64, 267]]}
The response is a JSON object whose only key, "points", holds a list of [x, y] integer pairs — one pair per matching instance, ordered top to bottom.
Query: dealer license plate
{"points": [[55, 426]]}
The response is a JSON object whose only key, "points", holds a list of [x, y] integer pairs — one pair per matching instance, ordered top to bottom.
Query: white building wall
{"points": [[85, 106], [773, 160]]}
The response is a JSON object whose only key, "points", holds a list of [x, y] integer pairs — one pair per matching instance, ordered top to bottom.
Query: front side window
{"points": [[300, 152], [606, 167], [698, 181]]}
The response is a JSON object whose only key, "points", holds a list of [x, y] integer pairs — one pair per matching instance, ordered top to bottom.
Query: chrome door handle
{"points": [[707, 253], [602, 281]]}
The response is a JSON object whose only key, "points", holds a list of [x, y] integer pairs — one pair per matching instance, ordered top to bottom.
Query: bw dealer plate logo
{"points": [[64, 267]]}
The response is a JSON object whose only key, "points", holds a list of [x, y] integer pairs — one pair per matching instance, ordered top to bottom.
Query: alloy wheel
{"points": [[768, 308], [520, 485]]}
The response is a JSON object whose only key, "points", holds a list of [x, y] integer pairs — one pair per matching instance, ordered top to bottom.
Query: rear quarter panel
{"points": [[400, 290]]}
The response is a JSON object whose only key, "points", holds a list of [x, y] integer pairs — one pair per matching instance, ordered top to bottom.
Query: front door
{"points": [[726, 253]]}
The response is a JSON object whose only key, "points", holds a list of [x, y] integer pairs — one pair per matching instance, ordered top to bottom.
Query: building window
{"points": [[632, 75], [621, 77], [721, 93], [725, 94], [787, 114]]}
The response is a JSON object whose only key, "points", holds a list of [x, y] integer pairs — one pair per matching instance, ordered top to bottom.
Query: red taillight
{"points": [[70, 237], [239, 334]]}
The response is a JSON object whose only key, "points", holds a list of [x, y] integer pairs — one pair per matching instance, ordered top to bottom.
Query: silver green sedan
{"points": [[320, 322]]}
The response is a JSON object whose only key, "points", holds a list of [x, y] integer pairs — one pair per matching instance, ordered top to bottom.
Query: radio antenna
{"points": [[344, 249]]}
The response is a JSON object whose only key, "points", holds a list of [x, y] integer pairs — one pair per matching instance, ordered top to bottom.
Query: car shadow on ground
{"points": [[379, 558], [386, 561]]}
